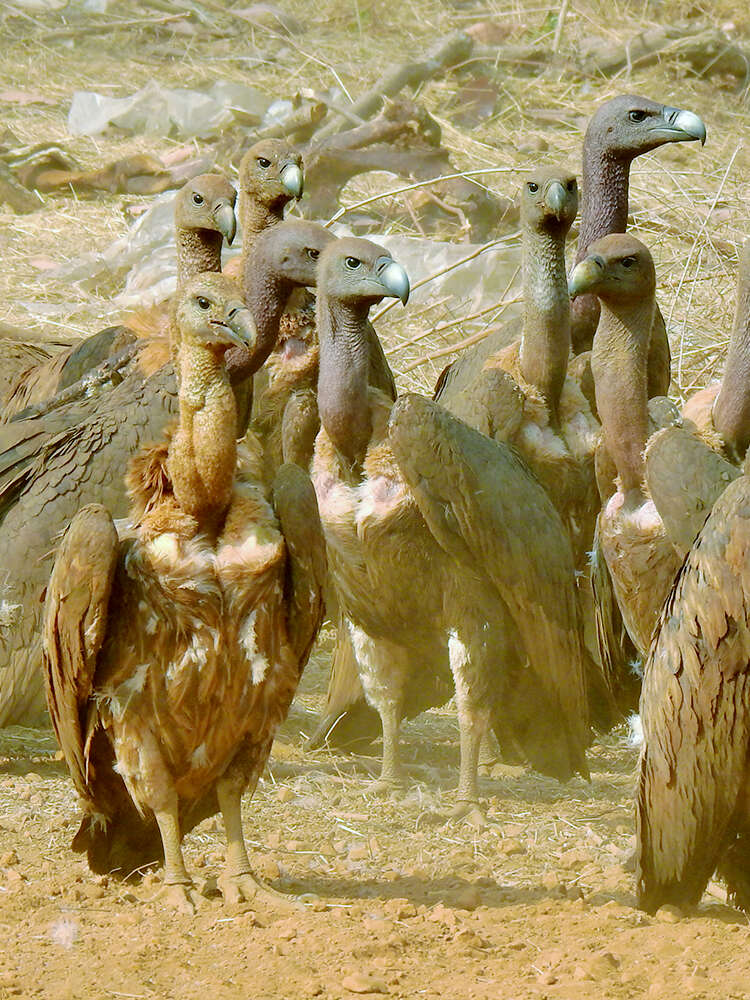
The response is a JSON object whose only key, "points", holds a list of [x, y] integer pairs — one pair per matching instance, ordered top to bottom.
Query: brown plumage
{"points": [[204, 218], [52, 466], [630, 535], [436, 539], [173, 646], [692, 813]]}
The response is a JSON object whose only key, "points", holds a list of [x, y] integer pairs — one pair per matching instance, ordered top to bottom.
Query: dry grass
{"points": [[688, 204]]}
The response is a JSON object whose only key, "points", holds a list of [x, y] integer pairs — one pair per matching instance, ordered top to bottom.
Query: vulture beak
{"points": [[681, 126], [293, 179], [555, 198], [226, 221], [585, 275], [393, 278], [239, 327]]}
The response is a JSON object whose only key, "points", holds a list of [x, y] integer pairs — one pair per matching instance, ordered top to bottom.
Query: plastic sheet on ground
{"points": [[163, 111], [144, 261]]}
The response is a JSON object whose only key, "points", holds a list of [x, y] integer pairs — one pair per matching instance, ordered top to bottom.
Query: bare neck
{"points": [[604, 200], [255, 218], [198, 250], [267, 294], [545, 341], [619, 364], [343, 376], [732, 407], [203, 452]]}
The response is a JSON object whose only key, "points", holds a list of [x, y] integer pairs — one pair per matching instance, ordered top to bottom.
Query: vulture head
{"points": [[628, 125], [271, 173], [549, 199], [207, 203], [292, 249], [618, 268], [358, 272], [211, 313]]}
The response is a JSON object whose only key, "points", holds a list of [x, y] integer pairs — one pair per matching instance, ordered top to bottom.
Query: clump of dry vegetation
{"points": [[523, 96]]}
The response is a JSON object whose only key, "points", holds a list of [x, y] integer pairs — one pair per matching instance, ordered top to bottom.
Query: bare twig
{"points": [[106, 26], [468, 174]]}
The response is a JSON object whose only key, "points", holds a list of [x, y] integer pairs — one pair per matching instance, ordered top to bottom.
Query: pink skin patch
{"points": [[293, 347], [646, 517]]}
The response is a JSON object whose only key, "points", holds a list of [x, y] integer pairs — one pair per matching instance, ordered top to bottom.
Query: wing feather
{"points": [[485, 507], [297, 510], [74, 627], [695, 709]]}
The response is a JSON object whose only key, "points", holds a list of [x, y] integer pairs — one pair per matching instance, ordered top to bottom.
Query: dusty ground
{"points": [[536, 903], [408, 904]]}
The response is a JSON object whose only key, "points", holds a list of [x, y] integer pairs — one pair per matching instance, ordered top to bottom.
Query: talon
{"points": [[385, 786], [470, 812], [246, 888], [180, 896]]}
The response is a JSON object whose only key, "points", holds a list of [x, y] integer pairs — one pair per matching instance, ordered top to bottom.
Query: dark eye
{"points": [[637, 116], [264, 162], [532, 187], [198, 198], [312, 253], [627, 261], [352, 263], [203, 302]]}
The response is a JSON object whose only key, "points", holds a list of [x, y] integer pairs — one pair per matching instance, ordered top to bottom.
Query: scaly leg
{"points": [[473, 724], [390, 772], [238, 882], [178, 891]]}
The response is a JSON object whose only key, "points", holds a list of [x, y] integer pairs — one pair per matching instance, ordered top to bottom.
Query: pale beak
{"points": [[683, 126], [293, 179], [555, 198], [226, 221], [585, 275], [393, 278], [239, 327]]}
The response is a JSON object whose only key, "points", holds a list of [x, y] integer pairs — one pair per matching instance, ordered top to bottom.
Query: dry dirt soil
{"points": [[401, 900]]}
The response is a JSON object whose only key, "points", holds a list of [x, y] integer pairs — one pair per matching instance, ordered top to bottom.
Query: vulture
{"points": [[621, 129], [204, 217], [522, 394], [47, 477], [445, 552], [642, 561], [174, 641], [692, 813]]}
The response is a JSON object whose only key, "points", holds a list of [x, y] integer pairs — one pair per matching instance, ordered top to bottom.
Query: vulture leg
{"points": [[378, 661], [473, 717], [238, 884]]}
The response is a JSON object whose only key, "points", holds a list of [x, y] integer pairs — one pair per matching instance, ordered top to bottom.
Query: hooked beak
{"points": [[682, 126], [293, 179], [555, 198], [226, 221], [585, 275], [393, 278], [239, 327]]}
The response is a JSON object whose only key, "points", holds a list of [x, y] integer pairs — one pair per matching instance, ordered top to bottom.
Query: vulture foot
{"points": [[384, 786], [469, 812], [246, 888], [180, 896]]}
